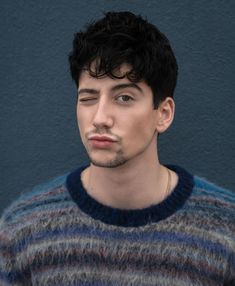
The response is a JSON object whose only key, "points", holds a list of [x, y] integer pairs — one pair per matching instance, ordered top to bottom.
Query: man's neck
{"points": [[128, 187]]}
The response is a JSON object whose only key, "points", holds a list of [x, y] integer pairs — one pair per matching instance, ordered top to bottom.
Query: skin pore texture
{"points": [[119, 127]]}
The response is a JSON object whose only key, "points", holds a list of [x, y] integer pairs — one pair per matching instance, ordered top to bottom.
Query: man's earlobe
{"points": [[165, 114]]}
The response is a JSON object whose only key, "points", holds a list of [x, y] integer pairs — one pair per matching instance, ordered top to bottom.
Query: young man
{"points": [[125, 219]]}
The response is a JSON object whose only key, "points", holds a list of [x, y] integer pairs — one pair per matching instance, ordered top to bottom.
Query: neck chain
{"points": [[168, 188]]}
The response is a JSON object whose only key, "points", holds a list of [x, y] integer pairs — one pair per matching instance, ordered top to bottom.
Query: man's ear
{"points": [[165, 114]]}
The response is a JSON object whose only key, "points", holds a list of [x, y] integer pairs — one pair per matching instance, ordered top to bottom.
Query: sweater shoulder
{"points": [[208, 190], [43, 197], [214, 202], [210, 212]]}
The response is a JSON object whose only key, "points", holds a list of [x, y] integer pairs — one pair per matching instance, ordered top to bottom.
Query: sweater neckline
{"points": [[130, 218]]}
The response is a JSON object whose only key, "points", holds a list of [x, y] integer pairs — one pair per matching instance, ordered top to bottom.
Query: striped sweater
{"points": [[59, 235]]}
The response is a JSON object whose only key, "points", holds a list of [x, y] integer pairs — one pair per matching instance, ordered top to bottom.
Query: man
{"points": [[125, 219]]}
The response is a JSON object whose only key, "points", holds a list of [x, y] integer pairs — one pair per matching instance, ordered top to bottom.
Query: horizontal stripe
{"points": [[39, 201], [154, 237], [134, 264], [103, 277]]}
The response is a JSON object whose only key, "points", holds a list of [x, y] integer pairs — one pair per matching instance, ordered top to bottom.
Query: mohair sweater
{"points": [[59, 235]]}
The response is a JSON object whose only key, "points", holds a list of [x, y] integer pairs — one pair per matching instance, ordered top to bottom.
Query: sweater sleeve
{"points": [[15, 231], [12, 270]]}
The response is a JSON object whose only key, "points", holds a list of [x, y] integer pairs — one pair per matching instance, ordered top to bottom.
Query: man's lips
{"points": [[102, 138], [101, 141]]}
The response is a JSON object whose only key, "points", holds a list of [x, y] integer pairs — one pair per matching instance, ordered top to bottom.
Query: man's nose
{"points": [[103, 116]]}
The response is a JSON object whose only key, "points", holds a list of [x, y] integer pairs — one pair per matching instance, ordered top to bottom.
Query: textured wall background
{"points": [[39, 137]]}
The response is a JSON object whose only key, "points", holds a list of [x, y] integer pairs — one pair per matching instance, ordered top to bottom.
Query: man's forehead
{"points": [[119, 70], [95, 72], [119, 75], [87, 80]]}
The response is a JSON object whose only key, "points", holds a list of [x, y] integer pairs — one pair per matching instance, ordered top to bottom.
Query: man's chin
{"points": [[109, 164]]}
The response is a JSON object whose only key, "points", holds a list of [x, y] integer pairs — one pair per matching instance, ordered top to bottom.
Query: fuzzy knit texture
{"points": [[58, 235]]}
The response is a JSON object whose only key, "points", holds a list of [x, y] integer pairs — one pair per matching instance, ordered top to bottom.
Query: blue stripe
{"points": [[209, 188], [54, 203], [147, 237], [135, 265], [92, 283]]}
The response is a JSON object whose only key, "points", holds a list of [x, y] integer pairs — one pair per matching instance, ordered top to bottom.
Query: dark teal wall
{"points": [[39, 137]]}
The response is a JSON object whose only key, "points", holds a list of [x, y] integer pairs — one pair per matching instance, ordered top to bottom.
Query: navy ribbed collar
{"points": [[130, 218]]}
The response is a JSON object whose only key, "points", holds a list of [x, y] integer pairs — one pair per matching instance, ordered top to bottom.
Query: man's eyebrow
{"points": [[126, 85], [114, 88], [88, 90]]}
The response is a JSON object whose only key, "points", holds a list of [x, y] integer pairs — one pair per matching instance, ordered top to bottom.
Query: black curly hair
{"points": [[122, 37]]}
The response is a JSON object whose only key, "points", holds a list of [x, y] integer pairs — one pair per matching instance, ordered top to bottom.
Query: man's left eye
{"points": [[124, 98]]}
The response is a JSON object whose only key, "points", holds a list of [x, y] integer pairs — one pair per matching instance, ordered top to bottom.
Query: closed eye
{"points": [[87, 99]]}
